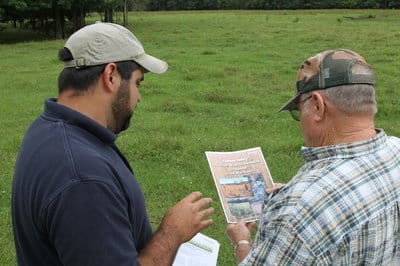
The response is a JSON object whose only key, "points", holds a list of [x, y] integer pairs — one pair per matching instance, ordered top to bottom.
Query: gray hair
{"points": [[353, 98]]}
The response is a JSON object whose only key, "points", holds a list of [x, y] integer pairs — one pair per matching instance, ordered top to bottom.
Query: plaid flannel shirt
{"points": [[342, 208]]}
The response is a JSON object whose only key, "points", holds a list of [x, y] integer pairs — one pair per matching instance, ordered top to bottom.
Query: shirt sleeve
{"points": [[88, 224], [280, 245]]}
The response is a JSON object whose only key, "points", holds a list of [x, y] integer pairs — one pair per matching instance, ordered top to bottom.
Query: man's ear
{"points": [[110, 77], [318, 106]]}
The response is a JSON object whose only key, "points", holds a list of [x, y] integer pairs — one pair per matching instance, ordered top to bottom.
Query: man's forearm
{"points": [[161, 250]]}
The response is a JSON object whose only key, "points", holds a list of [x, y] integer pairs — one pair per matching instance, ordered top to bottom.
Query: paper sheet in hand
{"points": [[201, 250]]}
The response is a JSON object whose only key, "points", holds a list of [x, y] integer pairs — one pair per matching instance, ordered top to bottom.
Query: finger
{"points": [[279, 185], [274, 188], [270, 190], [192, 197], [202, 203], [207, 212], [241, 222], [205, 223], [251, 226], [230, 227], [229, 231], [237, 231]]}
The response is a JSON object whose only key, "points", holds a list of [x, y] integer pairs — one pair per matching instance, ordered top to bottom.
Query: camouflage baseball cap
{"points": [[329, 69]]}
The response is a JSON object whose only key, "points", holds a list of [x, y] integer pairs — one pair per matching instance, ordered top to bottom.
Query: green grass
{"points": [[229, 73]]}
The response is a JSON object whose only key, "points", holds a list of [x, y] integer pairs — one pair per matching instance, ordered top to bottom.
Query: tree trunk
{"points": [[125, 13], [108, 15], [78, 17], [58, 31]]}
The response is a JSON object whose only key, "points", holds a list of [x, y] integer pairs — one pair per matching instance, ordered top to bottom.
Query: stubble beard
{"points": [[121, 110]]}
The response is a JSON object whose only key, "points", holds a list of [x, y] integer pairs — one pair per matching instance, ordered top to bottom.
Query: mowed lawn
{"points": [[230, 71]]}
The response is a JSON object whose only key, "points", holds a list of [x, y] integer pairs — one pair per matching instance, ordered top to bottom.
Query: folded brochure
{"points": [[241, 178]]}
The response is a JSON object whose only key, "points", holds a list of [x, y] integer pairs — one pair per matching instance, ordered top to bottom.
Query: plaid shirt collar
{"points": [[345, 150]]}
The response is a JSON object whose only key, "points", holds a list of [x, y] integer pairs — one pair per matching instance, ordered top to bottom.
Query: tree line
{"points": [[268, 4], [59, 17], [62, 17]]}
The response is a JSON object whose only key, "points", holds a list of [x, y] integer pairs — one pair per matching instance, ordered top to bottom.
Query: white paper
{"points": [[201, 250]]}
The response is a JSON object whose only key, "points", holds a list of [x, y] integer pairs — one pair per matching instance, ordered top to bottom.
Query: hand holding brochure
{"points": [[241, 178], [201, 250]]}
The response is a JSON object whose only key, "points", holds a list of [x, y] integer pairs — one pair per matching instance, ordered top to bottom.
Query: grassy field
{"points": [[229, 73]]}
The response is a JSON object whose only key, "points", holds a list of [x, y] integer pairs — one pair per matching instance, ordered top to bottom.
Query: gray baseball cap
{"points": [[103, 43], [328, 69]]}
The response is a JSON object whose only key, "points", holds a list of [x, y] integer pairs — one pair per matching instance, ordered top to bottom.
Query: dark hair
{"points": [[80, 79]]}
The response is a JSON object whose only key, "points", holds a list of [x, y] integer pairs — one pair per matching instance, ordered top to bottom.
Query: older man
{"points": [[342, 207]]}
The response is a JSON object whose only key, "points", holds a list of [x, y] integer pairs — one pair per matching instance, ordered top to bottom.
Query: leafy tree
{"points": [[347, 3], [393, 4], [12, 10], [57, 16], [64, 16]]}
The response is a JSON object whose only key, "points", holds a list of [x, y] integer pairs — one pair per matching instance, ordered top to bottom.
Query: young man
{"points": [[75, 199], [342, 207]]}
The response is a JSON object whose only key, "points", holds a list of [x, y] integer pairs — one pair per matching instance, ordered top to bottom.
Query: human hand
{"points": [[276, 187], [187, 217], [179, 225], [240, 231], [240, 236]]}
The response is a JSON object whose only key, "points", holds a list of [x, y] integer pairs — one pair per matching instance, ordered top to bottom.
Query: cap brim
{"points": [[152, 64], [291, 104]]}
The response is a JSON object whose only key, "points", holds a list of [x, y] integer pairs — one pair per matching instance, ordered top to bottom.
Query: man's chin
{"points": [[124, 126]]}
